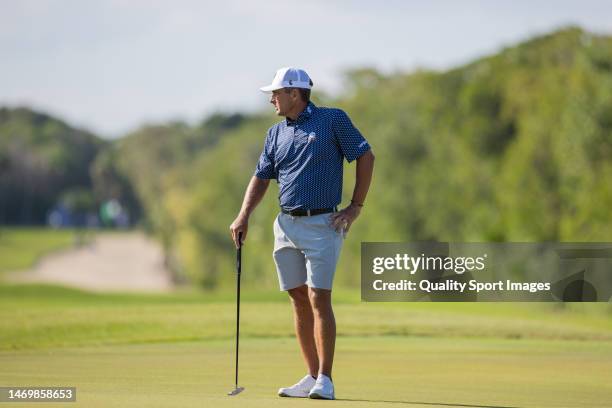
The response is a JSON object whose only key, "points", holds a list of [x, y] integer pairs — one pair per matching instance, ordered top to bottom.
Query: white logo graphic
{"points": [[312, 137]]}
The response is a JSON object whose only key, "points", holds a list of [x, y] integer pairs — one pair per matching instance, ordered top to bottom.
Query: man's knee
{"points": [[299, 296], [320, 299]]}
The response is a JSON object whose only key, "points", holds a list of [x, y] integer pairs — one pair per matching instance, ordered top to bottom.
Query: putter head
{"points": [[235, 391]]}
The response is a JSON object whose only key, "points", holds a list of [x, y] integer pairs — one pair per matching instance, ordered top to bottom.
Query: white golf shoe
{"points": [[323, 388], [299, 389]]}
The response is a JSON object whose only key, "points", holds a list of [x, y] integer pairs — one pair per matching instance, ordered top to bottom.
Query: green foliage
{"points": [[515, 146], [40, 157], [110, 183], [79, 200]]}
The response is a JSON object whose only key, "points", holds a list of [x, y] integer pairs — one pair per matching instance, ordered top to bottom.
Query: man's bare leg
{"points": [[304, 327], [324, 328]]}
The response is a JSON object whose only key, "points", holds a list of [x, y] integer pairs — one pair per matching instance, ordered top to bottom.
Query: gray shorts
{"points": [[306, 250]]}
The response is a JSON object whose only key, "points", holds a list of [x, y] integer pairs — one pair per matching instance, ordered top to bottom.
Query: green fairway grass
{"points": [[20, 248], [40, 316], [176, 350]]}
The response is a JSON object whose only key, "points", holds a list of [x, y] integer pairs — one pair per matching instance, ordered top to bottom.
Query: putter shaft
{"points": [[238, 389]]}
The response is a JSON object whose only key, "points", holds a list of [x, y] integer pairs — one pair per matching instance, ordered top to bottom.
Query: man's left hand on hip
{"points": [[343, 219]]}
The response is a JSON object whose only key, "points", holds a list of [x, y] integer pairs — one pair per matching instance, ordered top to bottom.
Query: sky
{"points": [[110, 66]]}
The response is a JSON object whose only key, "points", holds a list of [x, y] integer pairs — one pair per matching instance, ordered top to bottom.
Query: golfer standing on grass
{"points": [[305, 153]]}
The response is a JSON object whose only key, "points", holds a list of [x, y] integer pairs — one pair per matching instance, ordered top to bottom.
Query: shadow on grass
{"points": [[436, 404]]}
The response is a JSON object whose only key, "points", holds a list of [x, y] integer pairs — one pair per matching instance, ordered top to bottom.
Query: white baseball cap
{"points": [[289, 77]]}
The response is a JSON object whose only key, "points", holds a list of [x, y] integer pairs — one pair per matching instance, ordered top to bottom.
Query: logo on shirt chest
{"points": [[312, 137]]}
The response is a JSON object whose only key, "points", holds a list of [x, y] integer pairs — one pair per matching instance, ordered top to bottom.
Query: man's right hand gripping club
{"points": [[239, 228]]}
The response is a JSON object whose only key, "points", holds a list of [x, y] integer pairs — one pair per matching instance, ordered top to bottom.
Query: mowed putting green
{"points": [[178, 350], [370, 371]]}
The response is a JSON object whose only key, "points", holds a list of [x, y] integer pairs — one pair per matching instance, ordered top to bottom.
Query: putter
{"points": [[237, 390]]}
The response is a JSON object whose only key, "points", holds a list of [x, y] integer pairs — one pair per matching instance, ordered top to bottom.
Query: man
{"points": [[305, 153]]}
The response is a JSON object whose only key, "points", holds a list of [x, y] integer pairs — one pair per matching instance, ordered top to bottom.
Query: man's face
{"points": [[283, 101]]}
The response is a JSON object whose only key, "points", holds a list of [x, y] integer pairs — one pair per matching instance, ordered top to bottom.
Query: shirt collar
{"points": [[305, 114]]}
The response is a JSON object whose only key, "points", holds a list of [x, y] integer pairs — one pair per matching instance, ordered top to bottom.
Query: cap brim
{"points": [[270, 88]]}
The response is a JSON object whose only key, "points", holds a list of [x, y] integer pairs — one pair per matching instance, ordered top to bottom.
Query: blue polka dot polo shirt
{"points": [[305, 157]]}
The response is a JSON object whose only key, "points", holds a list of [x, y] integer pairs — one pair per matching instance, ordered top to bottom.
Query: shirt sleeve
{"points": [[351, 141], [265, 166]]}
